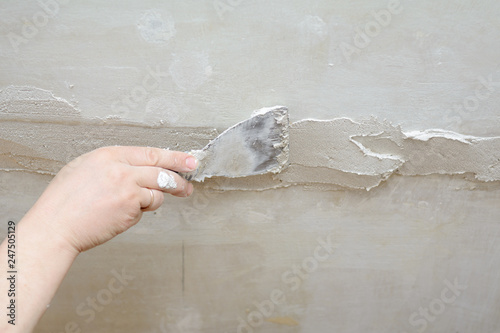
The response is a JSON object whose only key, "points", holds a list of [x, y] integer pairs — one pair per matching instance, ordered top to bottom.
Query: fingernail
{"points": [[191, 163], [190, 189]]}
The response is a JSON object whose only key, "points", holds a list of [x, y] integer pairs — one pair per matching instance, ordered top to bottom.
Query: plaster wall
{"points": [[386, 219]]}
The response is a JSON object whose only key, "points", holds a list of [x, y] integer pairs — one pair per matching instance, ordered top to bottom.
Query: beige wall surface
{"points": [[386, 220]]}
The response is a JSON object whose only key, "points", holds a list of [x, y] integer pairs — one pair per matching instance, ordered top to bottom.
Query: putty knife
{"points": [[254, 146]]}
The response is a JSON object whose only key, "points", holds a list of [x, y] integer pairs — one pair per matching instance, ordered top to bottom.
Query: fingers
{"points": [[166, 159], [162, 180], [150, 199]]}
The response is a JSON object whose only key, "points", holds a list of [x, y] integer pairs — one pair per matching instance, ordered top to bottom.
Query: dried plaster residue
{"points": [[334, 154]]}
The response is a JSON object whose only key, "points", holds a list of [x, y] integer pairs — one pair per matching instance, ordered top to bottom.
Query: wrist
{"points": [[38, 231], [42, 260]]}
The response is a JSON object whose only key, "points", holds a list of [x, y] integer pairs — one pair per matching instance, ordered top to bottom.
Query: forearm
{"points": [[92, 199], [42, 260]]}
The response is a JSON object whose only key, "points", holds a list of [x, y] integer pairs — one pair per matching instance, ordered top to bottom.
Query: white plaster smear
{"points": [[337, 153], [166, 181]]}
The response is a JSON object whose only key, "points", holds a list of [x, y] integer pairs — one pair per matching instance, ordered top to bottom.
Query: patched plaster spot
{"points": [[156, 27], [190, 70]]}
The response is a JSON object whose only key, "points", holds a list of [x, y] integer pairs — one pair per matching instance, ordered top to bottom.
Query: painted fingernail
{"points": [[191, 163]]}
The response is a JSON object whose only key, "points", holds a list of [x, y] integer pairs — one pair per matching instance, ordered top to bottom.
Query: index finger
{"points": [[163, 158]]}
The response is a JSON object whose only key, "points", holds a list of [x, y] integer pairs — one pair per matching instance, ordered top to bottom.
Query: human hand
{"points": [[103, 193]]}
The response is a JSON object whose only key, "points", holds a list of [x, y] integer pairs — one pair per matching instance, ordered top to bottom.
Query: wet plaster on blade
{"points": [[257, 145], [337, 153]]}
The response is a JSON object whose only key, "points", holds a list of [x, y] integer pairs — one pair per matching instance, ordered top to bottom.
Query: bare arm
{"points": [[92, 199]]}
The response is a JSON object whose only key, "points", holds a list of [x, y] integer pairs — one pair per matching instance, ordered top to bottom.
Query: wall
{"points": [[386, 219]]}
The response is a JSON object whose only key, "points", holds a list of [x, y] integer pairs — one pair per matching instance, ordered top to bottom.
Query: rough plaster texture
{"points": [[408, 93]]}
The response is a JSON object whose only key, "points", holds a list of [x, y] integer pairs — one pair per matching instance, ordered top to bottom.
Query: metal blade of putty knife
{"points": [[254, 146]]}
